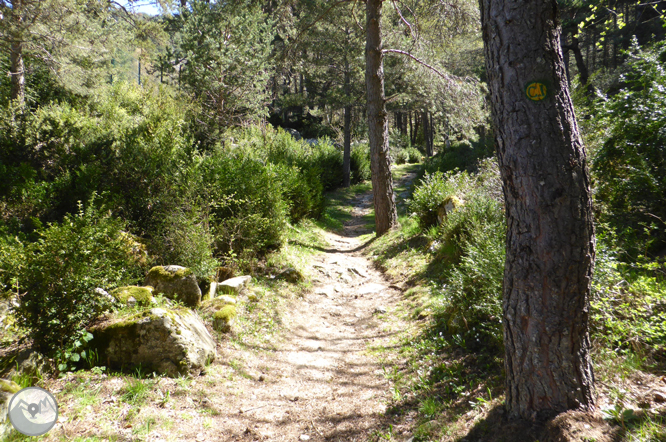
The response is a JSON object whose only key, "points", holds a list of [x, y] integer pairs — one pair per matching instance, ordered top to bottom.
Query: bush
{"points": [[413, 155], [461, 155], [400, 157], [360, 163], [629, 167], [433, 190], [247, 206], [475, 235], [185, 238], [470, 239], [63, 268]]}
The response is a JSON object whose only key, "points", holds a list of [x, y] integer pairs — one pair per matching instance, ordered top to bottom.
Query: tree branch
{"points": [[411, 31], [418, 60]]}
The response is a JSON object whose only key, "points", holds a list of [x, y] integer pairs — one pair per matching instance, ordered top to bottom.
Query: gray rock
{"points": [[294, 133], [312, 141], [355, 271], [291, 275], [175, 282], [234, 286], [370, 288], [212, 291], [105, 295], [380, 309], [166, 341], [29, 362], [7, 391]]}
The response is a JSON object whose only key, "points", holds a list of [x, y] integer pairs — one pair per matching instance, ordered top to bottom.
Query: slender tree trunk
{"points": [[17, 66], [17, 91], [411, 127], [426, 133], [431, 136], [346, 157], [380, 162], [550, 236]]}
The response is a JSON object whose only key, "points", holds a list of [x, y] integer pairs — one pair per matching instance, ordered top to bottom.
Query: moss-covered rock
{"points": [[448, 205], [291, 275], [175, 282], [234, 286], [141, 295], [215, 304], [223, 319], [167, 341], [7, 391]]}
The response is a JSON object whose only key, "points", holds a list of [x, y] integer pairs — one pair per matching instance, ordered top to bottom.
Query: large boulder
{"points": [[175, 282], [233, 286], [170, 342], [7, 391]]}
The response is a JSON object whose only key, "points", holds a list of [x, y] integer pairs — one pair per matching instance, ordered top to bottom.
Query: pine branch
{"points": [[418, 60]]}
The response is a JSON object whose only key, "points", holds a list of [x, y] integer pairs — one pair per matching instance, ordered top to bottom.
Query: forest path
{"points": [[315, 381], [321, 383]]}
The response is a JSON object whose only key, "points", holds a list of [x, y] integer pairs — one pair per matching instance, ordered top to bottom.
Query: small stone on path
{"points": [[304, 437]]}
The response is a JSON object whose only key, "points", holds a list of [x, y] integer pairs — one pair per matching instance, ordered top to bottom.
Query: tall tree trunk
{"points": [[16, 65], [17, 91], [411, 126], [426, 132], [415, 133], [431, 136], [346, 157], [380, 162], [550, 236]]}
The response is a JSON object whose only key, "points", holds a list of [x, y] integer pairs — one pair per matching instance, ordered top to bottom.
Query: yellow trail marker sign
{"points": [[536, 91]]}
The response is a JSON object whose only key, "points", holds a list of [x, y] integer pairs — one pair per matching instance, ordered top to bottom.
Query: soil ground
{"points": [[316, 382]]}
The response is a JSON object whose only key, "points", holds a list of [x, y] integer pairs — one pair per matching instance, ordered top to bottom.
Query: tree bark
{"points": [[17, 66], [17, 91], [426, 133], [346, 156], [380, 162], [550, 235]]}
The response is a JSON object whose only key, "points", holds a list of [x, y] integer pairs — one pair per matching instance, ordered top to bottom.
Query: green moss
{"points": [[159, 273], [142, 295], [216, 304], [226, 313], [9, 386]]}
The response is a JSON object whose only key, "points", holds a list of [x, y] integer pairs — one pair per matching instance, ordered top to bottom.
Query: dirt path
{"points": [[316, 382], [321, 384]]}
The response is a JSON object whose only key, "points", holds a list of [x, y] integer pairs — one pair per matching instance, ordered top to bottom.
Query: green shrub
{"points": [[413, 155], [461, 155], [400, 156], [360, 163], [629, 167], [433, 190], [248, 211], [476, 233], [185, 238], [470, 240], [63, 268], [628, 306]]}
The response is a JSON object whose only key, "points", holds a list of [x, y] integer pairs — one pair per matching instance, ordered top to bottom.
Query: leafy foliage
{"points": [[629, 167], [62, 270]]}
